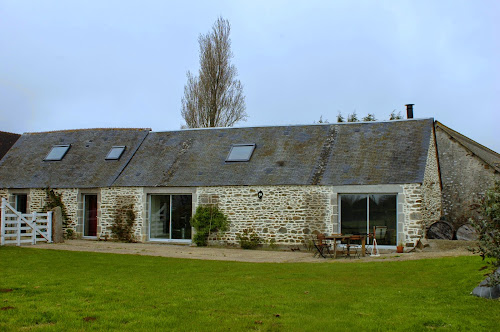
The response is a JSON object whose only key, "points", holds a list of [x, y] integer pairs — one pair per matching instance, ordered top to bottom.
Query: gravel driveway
{"points": [[436, 248]]}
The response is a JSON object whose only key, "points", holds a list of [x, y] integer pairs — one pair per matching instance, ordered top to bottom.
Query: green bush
{"points": [[207, 220], [123, 228], [488, 229], [70, 234], [249, 239]]}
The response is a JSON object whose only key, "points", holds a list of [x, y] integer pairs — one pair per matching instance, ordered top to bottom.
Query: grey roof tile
{"points": [[326, 154], [84, 165]]}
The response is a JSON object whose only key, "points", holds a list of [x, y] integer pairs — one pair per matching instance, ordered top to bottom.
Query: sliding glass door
{"points": [[360, 213], [169, 217]]}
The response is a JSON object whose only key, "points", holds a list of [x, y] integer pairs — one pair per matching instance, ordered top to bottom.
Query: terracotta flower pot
{"points": [[400, 249]]}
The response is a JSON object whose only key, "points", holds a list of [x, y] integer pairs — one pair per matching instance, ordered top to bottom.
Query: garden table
{"points": [[348, 238]]}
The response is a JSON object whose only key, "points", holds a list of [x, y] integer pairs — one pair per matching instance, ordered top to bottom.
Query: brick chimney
{"points": [[409, 111]]}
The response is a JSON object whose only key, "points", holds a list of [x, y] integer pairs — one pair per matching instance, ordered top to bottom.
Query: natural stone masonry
{"points": [[465, 178], [431, 188], [69, 197], [113, 200], [422, 204], [287, 214], [413, 217]]}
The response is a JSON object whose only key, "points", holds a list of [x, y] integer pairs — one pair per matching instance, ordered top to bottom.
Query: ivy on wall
{"points": [[53, 200]]}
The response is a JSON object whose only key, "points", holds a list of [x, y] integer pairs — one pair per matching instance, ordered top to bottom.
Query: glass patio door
{"points": [[359, 213], [169, 217]]}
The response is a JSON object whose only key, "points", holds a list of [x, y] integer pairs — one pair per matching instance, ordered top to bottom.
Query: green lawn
{"points": [[62, 290]]}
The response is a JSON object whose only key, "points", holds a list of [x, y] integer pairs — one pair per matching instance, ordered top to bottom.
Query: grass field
{"points": [[63, 290]]}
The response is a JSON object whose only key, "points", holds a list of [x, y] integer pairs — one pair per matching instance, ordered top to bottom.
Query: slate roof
{"points": [[6, 142], [323, 154], [488, 156], [83, 166]]}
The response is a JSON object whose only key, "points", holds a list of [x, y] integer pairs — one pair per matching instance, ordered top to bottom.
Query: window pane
{"points": [[57, 152], [115, 152], [240, 152], [22, 203], [383, 213], [353, 214], [90, 216], [181, 216], [160, 217]]}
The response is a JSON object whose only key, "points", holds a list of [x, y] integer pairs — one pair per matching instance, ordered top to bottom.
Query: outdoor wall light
{"points": [[260, 194]]}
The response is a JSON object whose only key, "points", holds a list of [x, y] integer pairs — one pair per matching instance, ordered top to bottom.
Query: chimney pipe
{"points": [[409, 111]]}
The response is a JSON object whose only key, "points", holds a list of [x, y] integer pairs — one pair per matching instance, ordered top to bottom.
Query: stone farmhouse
{"points": [[283, 182]]}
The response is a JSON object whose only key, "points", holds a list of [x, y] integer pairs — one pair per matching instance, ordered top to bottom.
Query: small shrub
{"points": [[207, 220], [122, 228], [488, 230], [70, 234], [248, 239], [272, 244], [309, 244]]}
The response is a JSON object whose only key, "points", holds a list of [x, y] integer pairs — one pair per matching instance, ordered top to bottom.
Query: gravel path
{"points": [[436, 248]]}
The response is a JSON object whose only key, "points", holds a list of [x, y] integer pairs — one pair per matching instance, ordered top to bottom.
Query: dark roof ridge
{"points": [[296, 125], [84, 129], [8, 132], [456, 134], [129, 159]]}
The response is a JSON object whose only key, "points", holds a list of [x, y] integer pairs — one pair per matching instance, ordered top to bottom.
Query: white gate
{"points": [[20, 228]]}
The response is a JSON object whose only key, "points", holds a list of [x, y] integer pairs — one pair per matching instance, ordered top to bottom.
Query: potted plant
{"points": [[400, 247]]}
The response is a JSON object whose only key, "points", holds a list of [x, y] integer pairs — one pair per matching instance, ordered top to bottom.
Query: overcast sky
{"points": [[67, 64]]}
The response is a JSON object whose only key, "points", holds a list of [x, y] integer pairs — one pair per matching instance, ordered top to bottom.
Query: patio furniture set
{"points": [[347, 245]]}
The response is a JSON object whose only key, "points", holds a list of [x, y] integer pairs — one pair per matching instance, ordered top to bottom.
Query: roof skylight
{"points": [[240, 152], [57, 153], [115, 153]]}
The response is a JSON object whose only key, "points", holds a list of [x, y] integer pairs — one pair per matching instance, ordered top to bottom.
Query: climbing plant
{"points": [[52, 200], [123, 224]]}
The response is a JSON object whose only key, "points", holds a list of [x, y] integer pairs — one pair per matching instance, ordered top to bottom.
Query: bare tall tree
{"points": [[215, 97]]}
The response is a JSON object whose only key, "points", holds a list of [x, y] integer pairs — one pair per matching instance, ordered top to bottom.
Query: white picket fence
{"points": [[18, 228]]}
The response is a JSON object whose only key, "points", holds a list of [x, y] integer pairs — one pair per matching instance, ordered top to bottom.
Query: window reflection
{"points": [[360, 213]]}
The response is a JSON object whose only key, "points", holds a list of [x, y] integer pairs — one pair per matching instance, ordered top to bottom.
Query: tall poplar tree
{"points": [[215, 97]]}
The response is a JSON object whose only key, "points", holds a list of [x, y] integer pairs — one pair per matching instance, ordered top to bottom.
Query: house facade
{"points": [[282, 182]]}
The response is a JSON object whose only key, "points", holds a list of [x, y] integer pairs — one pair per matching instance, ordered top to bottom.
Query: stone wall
{"points": [[464, 176], [431, 188], [37, 199], [112, 203], [287, 214], [414, 223]]}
